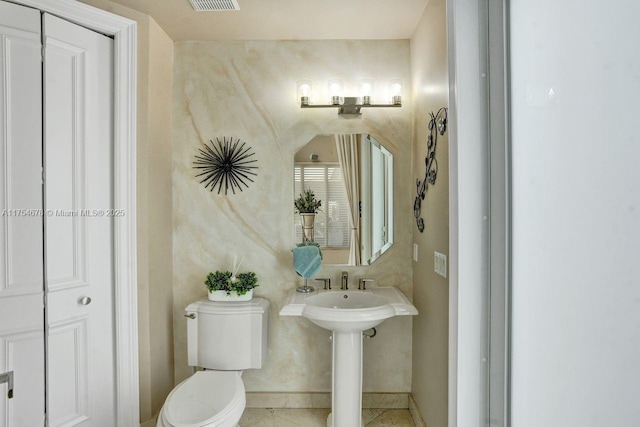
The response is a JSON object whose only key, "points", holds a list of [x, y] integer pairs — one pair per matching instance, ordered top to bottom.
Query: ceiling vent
{"points": [[214, 5]]}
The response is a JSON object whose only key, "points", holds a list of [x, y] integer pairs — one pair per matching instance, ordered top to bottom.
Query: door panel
{"points": [[79, 224], [21, 253], [69, 376]]}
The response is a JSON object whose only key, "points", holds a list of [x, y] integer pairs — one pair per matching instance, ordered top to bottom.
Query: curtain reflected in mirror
{"points": [[349, 161], [352, 174]]}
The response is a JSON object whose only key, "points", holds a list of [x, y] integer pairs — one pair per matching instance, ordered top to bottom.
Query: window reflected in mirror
{"points": [[352, 174], [332, 220]]}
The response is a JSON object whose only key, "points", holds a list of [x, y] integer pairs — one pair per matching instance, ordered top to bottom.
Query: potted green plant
{"points": [[307, 203], [307, 206], [224, 286]]}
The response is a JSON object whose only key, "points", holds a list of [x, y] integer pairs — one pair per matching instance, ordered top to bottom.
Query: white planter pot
{"points": [[308, 219], [222, 296]]}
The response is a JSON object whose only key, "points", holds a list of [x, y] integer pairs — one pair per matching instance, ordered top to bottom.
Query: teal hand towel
{"points": [[310, 243], [307, 260]]}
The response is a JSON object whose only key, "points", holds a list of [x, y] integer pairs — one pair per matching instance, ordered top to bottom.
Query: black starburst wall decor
{"points": [[437, 125], [227, 165]]}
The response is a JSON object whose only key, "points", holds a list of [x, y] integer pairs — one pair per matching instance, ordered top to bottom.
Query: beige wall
{"points": [[247, 90], [322, 145], [154, 148], [160, 214], [430, 291]]}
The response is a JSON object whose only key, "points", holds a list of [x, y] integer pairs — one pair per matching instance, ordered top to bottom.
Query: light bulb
{"points": [[366, 88], [304, 91], [335, 91], [396, 91]]}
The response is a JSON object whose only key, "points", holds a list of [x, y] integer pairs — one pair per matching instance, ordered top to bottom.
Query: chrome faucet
{"points": [[345, 281], [326, 282], [362, 283]]}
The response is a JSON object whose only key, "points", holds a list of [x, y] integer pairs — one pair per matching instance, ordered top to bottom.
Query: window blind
{"points": [[332, 221]]}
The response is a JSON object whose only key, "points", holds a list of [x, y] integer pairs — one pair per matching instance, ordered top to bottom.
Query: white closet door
{"points": [[78, 150], [21, 273]]}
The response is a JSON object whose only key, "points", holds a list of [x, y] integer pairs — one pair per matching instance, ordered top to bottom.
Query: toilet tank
{"points": [[227, 336]]}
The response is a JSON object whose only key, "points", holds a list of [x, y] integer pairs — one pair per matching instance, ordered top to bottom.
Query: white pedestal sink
{"points": [[348, 314]]}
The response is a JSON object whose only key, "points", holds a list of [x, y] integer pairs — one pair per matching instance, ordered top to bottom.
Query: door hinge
{"points": [[42, 53]]}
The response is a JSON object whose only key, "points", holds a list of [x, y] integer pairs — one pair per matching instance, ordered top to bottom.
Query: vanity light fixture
{"points": [[349, 105]]}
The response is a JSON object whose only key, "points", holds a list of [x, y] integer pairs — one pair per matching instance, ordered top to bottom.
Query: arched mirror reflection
{"points": [[352, 176]]}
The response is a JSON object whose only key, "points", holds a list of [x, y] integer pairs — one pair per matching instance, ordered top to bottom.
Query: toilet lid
{"points": [[204, 398]]}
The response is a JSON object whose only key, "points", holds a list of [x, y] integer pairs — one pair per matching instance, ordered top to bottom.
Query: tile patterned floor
{"points": [[261, 417]]}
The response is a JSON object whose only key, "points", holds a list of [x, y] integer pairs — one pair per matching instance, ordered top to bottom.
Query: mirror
{"points": [[365, 197]]}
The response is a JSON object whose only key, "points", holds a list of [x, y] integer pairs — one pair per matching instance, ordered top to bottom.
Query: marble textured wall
{"points": [[247, 90]]}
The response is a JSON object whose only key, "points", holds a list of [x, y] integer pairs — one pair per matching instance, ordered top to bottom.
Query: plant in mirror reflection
{"points": [[306, 202]]}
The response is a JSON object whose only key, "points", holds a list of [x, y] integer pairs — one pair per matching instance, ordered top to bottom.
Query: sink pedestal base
{"points": [[348, 314], [346, 388], [329, 422]]}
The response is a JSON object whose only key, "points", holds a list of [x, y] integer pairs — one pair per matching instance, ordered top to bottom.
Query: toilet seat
{"points": [[206, 399]]}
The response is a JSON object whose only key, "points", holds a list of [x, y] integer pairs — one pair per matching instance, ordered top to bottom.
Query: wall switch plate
{"points": [[415, 252], [440, 264]]}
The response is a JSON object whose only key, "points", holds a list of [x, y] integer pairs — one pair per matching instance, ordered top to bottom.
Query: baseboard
{"points": [[323, 400], [415, 413]]}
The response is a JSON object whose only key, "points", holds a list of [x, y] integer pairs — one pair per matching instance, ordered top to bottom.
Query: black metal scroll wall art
{"points": [[437, 125], [225, 165]]}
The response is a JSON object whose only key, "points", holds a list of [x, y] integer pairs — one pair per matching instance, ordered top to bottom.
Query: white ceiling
{"points": [[286, 19]]}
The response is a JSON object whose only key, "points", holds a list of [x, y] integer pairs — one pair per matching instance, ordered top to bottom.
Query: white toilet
{"points": [[224, 338]]}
